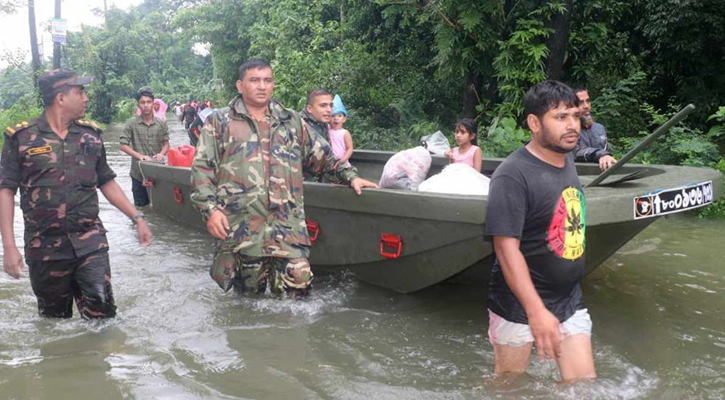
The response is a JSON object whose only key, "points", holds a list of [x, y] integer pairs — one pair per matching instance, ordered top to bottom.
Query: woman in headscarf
{"points": [[160, 109]]}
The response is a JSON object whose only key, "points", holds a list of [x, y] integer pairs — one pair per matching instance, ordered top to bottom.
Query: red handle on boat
{"points": [[178, 196], [313, 227], [392, 241]]}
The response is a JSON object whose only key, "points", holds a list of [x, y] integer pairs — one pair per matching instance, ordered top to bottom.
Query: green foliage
{"points": [[683, 46], [137, 48], [520, 63], [15, 82], [24, 109], [125, 109], [622, 109], [717, 131], [503, 137], [682, 145], [717, 209]]}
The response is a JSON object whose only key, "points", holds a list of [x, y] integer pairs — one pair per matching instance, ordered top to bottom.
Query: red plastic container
{"points": [[181, 156]]}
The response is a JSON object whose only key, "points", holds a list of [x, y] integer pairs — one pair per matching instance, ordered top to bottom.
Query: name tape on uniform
{"points": [[40, 150]]}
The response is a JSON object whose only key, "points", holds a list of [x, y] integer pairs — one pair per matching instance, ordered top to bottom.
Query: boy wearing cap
{"points": [[144, 138], [57, 161]]}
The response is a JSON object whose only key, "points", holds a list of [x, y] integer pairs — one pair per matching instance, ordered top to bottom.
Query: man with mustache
{"points": [[593, 144], [58, 160], [247, 181], [536, 217]]}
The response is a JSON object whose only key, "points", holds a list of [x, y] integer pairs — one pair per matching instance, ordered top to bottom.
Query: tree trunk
{"points": [[558, 41], [33, 42], [56, 45], [471, 96]]}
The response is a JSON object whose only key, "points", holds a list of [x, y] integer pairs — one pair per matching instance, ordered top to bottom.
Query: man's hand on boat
{"points": [[605, 162], [359, 183], [218, 225], [12, 262], [547, 337]]}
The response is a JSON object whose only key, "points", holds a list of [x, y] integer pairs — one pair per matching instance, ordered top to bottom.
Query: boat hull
{"points": [[442, 235]]}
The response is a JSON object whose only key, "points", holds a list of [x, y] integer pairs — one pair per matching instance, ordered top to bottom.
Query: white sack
{"points": [[406, 169], [457, 178]]}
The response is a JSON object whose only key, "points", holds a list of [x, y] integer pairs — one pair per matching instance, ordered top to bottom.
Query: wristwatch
{"points": [[138, 216]]}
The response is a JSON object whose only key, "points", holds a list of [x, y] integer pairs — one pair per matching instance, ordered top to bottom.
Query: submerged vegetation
{"points": [[406, 68]]}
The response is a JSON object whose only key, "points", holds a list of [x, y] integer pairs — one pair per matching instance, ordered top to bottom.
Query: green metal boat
{"points": [[406, 241]]}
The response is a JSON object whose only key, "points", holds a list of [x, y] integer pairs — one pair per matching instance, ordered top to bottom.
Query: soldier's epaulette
{"points": [[89, 123], [13, 129]]}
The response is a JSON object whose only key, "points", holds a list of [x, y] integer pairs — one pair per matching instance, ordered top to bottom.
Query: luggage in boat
{"points": [[406, 169], [457, 179]]}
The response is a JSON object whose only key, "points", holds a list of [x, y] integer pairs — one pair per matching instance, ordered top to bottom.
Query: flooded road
{"points": [[657, 308]]}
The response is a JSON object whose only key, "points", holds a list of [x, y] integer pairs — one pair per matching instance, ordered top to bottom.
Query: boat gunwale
{"points": [[605, 204]]}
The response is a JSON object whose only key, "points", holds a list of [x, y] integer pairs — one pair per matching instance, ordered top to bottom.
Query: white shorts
{"points": [[507, 333]]}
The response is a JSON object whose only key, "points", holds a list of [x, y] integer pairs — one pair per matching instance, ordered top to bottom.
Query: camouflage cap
{"points": [[58, 79]]}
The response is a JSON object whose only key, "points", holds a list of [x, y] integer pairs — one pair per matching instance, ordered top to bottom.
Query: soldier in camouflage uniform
{"points": [[318, 112], [317, 116], [58, 160], [247, 182]]}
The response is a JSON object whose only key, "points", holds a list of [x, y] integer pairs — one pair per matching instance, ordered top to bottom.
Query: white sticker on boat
{"points": [[670, 201]]}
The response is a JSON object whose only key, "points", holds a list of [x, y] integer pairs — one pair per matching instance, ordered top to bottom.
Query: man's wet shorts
{"points": [[506, 333]]}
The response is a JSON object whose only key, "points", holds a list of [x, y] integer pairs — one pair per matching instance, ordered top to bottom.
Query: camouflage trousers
{"points": [[246, 274], [87, 279]]}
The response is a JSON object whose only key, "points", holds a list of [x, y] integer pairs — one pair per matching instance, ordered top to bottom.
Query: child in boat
{"points": [[340, 138], [467, 151]]}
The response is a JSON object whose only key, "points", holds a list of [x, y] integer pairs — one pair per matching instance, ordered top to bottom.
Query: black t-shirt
{"points": [[544, 207]]}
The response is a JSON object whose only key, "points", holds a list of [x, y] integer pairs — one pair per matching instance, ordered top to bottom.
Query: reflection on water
{"points": [[656, 307]]}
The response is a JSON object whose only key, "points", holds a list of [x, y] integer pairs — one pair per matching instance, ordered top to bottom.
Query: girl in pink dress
{"points": [[340, 138], [467, 151]]}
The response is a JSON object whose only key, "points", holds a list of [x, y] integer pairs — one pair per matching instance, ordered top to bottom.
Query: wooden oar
{"points": [[646, 142]]}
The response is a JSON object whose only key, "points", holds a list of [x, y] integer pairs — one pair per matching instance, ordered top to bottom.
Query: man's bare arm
{"points": [[118, 199], [12, 260], [544, 325]]}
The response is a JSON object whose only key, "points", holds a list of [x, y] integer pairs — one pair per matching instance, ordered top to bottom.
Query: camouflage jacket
{"points": [[319, 128], [322, 130], [256, 178], [57, 180]]}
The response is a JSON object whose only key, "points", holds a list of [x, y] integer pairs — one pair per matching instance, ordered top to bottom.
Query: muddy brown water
{"points": [[657, 307]]}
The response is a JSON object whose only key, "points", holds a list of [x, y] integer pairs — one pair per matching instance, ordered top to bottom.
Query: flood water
{"points": [[657, 308]]}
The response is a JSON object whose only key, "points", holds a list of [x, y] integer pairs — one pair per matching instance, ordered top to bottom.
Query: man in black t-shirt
{"points": [[537, 218]]}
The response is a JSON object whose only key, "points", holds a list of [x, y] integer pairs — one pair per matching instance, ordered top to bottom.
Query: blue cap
{"points": [[337, 106]]}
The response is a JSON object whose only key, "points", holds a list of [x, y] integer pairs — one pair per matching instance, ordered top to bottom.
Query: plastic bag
{"points": [[436, 143], [406, 169], [457, 179]]}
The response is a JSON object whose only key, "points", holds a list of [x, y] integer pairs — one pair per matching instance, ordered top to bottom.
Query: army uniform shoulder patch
{"points": [[91, 124], [13, 129]]}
